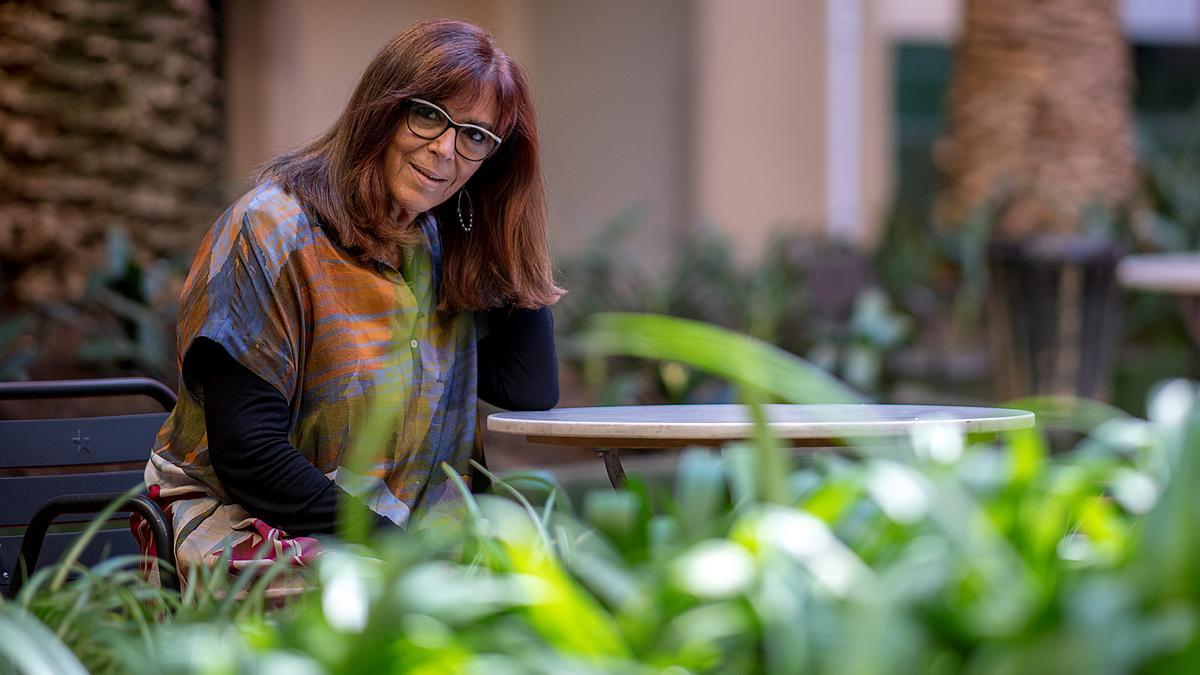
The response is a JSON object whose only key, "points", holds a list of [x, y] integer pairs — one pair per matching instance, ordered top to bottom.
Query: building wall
{"points": [[613, 93], [761, 116], [878, 133]]}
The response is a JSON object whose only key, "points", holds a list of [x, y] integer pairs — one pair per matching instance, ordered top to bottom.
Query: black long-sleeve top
{"points": [[247, 419]]}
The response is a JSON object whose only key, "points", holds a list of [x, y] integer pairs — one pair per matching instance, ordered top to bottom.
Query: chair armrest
{"points": [[35, 535]]}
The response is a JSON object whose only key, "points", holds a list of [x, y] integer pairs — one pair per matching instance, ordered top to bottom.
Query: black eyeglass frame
{"points": [[450, 124]]}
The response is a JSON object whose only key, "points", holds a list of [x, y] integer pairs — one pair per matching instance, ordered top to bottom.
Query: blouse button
{"points": [[413, 344]]}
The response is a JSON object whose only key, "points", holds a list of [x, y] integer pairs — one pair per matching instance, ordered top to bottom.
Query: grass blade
{"points": [[31, 648]]}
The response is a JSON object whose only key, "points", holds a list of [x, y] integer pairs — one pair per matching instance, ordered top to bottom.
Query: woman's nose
{"points": [[443, 145]]}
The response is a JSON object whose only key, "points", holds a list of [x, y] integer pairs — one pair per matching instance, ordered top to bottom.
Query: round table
{"points": [[1173, 273], [612, 428]]}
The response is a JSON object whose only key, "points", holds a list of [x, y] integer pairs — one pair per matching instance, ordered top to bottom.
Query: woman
{"points": [[402, 255]]}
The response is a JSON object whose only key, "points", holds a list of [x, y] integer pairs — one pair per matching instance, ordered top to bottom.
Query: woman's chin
{"points": [[407, 210]]}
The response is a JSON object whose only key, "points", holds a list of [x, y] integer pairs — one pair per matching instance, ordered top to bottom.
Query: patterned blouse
{"points": [[331, 335]]}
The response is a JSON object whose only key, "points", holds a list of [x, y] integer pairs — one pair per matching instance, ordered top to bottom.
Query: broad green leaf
{"points": [[739, 358], [1068, 412], [1028, 455]]}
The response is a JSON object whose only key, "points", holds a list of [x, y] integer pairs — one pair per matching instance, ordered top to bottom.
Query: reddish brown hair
{"points": [[339, 177]]}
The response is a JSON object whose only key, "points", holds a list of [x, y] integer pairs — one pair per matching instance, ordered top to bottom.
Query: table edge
{"points": [[730, 431]]}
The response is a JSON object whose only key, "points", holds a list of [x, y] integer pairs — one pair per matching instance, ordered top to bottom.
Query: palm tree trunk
{"points": [[108, 117], [1039, 119]]}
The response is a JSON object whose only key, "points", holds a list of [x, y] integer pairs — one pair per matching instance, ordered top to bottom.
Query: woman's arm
{"points": [[518, 365], [247, 423]]}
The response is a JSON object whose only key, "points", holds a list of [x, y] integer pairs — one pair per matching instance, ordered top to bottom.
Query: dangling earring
{"points": [[468, 222]]}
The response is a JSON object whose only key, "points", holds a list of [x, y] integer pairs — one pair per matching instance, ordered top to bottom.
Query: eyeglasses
{"points": [[429, 122]]}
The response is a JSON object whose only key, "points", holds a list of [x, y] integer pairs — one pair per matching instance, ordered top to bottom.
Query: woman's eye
{"points": [[427, 112], [476, 135]]}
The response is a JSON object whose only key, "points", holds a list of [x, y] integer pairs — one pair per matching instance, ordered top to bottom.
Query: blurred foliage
{"points": [[1171, 167], [922, 267], [939, 277], [804, 294], [128, 312], [124, 323], [1155, 343], [16, 353], [929, 555]]}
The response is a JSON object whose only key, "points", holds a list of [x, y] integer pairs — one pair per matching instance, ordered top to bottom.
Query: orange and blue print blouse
{"points": [[332, 335]]}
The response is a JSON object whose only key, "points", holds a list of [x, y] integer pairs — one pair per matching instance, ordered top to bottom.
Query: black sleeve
{"points": [[518, 366], [247, 423]]}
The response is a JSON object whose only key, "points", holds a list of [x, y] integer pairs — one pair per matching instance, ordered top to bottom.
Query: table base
{"points": [[612, 464]]}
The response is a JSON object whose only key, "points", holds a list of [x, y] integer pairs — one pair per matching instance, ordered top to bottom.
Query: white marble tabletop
{"points": [[1177, 273], [652, 425]]}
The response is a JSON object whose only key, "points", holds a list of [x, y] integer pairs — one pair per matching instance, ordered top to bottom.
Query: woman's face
{"points": [[423, 173]]}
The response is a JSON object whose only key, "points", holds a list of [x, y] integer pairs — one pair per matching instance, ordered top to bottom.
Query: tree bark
{"points": [[108, 117], [1039, 119]]}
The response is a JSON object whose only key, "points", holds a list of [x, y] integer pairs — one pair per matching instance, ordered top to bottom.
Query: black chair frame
{"points": [[161, 528]]}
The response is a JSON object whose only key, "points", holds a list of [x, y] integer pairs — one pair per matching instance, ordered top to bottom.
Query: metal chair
{"points": [[71, 469]]}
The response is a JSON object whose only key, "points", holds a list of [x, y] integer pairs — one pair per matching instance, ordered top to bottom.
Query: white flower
{"points": [[941, 443], [898, 490], [808, 540], [716, 568], [344, 598]]}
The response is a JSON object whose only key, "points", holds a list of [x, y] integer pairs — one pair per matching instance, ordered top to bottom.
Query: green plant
{"points": [[1170, 161], [793, 296], [125, 318], [123, 323], [1155, 342], [854, 351], [16, 352], [931, 555]]}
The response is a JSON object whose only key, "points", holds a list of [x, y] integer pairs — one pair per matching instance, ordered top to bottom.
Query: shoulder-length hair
{"points": [[339, 177]]}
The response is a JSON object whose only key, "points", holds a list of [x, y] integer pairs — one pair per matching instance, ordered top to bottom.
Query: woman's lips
{"points": [[429, 176]]}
